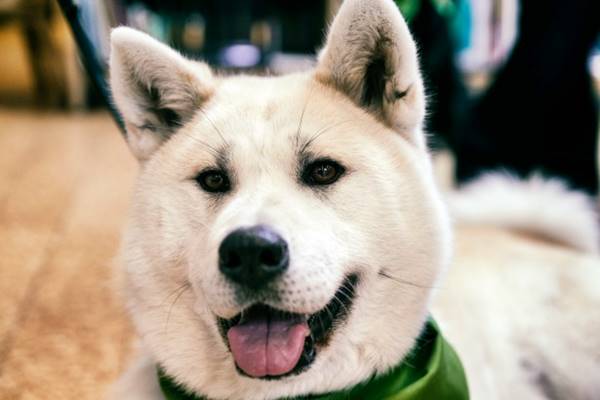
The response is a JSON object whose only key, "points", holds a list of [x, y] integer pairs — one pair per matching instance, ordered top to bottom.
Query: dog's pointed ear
{"points": [[371, 57], [155, 89]]}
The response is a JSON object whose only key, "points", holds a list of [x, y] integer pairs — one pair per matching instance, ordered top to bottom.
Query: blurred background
{"points": [[512, 84]]}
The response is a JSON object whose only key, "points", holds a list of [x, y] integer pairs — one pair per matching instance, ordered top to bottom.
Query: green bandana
{"points": [[431, 371]]}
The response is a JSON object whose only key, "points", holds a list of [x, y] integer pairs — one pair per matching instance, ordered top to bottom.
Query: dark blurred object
{"points": [[431, 28], [234, 34], [91, 58], [47, 68], [56, 82], [540, 113]]}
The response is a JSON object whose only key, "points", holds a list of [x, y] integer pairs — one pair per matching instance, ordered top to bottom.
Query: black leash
{"points": [[93, 65]]}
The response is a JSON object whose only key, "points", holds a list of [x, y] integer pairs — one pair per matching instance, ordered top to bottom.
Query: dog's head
{"points": [[285, 232]]}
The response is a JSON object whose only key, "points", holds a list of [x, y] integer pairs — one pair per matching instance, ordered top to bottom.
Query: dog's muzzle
{"points": [[266, 342]]}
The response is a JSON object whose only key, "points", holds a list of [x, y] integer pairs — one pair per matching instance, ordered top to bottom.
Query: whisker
{"points": [[215, 127], [319, 133], [297, 139], [208, 148], [384, 274], [180, 287], [181, 292], [349, 295], [341, 303], [242, 315], [321, 319]]}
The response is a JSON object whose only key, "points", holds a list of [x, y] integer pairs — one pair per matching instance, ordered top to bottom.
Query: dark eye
{"points": [[322, 172], [213, 181]]}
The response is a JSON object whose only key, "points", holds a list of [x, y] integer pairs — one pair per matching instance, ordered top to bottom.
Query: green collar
{"points": [[432, 370]]}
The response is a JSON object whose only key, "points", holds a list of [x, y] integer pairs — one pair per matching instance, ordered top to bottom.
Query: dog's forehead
{"points": [[263, 90], [260, 109], [277, 112]]}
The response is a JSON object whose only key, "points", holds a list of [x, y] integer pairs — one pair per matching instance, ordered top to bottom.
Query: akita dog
{"points": [[286, 232]]}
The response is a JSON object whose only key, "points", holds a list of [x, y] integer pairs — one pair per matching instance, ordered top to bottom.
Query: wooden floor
{"points": [[64, 185]]}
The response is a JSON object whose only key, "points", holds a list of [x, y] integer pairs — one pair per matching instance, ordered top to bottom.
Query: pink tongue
{"points": [[264, 347]]}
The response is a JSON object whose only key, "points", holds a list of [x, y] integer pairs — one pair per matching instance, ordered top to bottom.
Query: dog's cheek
{"points": [[164, 217], [395, 228], [320, 252]]}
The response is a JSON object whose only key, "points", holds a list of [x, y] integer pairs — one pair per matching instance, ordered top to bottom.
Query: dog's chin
{"points": [[270, 343]]}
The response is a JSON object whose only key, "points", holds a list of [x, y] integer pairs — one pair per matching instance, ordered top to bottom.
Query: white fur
{"points": [[365, 31], [139, 64], [537, 205], [385, 214], [522, 315], [139, 382]]}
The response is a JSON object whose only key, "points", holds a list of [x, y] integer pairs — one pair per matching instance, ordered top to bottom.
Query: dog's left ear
{"points": [[370, 56], [155, 88]]}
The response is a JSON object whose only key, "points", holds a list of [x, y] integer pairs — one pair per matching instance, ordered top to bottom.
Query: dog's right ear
{"points": [[371, 57], [155, 88]]}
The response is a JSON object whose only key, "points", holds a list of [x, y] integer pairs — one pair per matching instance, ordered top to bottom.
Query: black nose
{"points": [[253, 256]]}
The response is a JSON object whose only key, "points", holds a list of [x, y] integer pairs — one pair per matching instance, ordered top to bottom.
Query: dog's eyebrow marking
{"points": [[212, 123], [299, 129], [307, 142], [218, 153], [223, 159]]}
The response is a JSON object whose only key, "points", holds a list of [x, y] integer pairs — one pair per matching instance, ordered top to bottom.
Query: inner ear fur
{"points": [[370, 56], [155, 89]]}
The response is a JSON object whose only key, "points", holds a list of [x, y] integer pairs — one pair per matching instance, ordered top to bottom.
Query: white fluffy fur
{"points": [[366, 31], [147, 77], [537, 205], [385, 214], [522, 314]]}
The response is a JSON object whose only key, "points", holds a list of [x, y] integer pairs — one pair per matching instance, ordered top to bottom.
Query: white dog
{"points": [[286, 232]]}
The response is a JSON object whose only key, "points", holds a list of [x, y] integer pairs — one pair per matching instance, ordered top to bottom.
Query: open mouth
{"points": [[268, 343]]}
